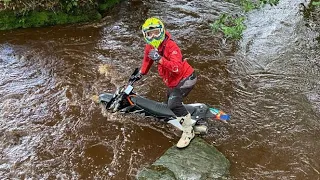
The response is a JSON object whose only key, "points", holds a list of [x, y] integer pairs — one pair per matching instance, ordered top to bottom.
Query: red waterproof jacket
{"points": [[173, 68]]}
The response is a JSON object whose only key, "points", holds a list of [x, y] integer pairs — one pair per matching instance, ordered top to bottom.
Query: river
{"points": [[269, 82]]}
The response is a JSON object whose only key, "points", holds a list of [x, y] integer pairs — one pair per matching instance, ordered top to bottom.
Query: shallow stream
{"points": [[270, 82]]}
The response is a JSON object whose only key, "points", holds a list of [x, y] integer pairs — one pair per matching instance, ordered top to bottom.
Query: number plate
{"points": [[128, 90]]}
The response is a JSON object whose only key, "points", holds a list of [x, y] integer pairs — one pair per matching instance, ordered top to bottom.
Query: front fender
{"points": [[106, 97]]}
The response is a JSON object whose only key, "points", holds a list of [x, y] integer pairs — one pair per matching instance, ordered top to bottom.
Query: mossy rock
{"points": [[36, 19], [199, 161]]}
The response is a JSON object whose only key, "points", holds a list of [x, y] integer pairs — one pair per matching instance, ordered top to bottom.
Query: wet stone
{"points": [[198, 161]]}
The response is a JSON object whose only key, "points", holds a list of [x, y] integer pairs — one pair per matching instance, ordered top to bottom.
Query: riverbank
{"points": [[37, 13]]}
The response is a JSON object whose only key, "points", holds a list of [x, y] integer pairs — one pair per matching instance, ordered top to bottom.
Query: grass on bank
{"points": [[37, 13]]}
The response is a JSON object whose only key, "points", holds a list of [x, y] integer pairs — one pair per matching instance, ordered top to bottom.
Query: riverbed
{"points": [[269, 82]]}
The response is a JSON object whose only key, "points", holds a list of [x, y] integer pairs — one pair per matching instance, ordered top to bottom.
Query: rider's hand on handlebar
{"points": [[137, 77]]}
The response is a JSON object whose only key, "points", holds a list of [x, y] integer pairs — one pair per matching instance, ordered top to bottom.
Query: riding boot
{"points": [[188, 133]]}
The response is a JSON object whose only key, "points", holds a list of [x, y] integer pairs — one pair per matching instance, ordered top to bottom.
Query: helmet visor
{"points": [[152, 33]]}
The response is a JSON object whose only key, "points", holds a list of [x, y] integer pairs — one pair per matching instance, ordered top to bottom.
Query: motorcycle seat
{"points": [[157, 108]]}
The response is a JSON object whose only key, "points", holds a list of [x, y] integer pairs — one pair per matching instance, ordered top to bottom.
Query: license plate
{"points": [[128, 89]]}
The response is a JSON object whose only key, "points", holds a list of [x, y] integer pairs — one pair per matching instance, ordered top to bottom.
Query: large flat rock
{"points": [[198, 161]]}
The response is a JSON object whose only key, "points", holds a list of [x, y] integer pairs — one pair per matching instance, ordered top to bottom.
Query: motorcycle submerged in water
{"points": [[125, 100]]}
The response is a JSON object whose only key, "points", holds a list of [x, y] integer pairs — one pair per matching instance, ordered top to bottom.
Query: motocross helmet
{"points": [[153, 31]]}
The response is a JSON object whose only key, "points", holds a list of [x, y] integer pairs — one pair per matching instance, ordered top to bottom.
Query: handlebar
{"points": [[133, 77], [114, 103]]}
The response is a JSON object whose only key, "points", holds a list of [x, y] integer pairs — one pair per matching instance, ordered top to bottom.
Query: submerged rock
{"points": [[198, 161]]}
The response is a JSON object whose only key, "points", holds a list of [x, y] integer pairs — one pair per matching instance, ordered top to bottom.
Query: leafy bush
{"points": [[316, 3], [231, 27]]}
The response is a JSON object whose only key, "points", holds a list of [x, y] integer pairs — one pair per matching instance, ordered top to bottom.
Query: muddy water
{"points": [[51, 128]]}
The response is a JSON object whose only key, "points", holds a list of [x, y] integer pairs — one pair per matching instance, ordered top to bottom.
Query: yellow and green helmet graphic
{"points": [[153, 24]]}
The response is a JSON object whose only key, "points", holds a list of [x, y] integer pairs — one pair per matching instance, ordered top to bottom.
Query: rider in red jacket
{"points": [[171, 67], [175, 71]]}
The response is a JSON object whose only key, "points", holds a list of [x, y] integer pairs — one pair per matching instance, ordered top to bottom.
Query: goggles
{"points": [[152, 33]]}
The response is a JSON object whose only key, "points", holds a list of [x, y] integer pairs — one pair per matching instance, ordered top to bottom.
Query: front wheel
{"points": [[104, 110]]}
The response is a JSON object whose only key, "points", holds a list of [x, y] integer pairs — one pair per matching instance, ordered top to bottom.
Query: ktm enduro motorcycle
{"points": [[125, 100]]}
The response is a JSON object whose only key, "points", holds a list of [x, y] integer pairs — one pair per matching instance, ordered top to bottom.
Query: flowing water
{"points": [[270, 82]]}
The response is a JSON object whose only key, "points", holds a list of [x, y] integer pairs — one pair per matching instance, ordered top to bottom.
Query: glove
{"points": [[154, 55]]}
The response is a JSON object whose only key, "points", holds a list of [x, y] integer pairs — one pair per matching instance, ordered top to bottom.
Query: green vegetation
{"points": [[315, 3], [311, 11], [36, 13], [311, 14], [233, 26]]}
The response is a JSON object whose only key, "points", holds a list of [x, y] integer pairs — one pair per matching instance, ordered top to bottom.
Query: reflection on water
{"points": [[52, 128]]}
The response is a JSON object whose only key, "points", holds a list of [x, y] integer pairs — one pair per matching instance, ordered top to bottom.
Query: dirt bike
{"points": [[125, 100]]}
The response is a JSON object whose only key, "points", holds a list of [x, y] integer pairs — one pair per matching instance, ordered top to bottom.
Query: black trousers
{"points": [[175, 95]]}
